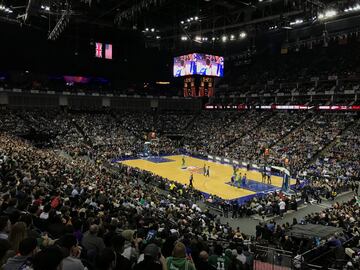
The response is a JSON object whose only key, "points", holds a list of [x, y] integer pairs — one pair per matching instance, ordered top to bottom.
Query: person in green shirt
{"points": [[238, 180], [179, 260], [219, 260]]}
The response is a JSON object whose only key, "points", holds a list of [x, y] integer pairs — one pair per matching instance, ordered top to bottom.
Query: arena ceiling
{"points": [[180, 20]]}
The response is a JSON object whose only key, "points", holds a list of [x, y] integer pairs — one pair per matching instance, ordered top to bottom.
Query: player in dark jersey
{"points": [[182, 162], [208, 172], [191, 181]]}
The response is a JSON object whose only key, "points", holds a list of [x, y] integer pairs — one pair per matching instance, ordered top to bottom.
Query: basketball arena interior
{"points": [[179, 134]]}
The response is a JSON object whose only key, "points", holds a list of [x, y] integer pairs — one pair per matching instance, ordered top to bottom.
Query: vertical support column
{"points": [[4, 99], [63, 101], [105, 102]]}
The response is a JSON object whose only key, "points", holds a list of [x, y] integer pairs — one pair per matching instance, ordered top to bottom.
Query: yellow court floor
{"points": [[216, 184]]}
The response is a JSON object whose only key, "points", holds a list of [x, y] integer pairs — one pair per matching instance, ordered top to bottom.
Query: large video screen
{"points": [[198, 64]]}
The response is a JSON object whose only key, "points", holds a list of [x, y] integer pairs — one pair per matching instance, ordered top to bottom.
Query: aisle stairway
{"points": [[87, 138], [334, 141], [231, 142]]}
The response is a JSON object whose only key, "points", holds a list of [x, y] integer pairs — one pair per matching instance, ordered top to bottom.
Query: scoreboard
{"points": [[198, 86]]}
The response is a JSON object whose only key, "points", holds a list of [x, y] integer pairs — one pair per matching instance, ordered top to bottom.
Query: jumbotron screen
{"points": [[198, 64]]}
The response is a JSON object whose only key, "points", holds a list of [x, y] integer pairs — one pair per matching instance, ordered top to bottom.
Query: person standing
{"points": [[183, 162], [204, 168], [208, 171], [263, 176], [269, 178], [232, 180], [238, 180], [244, 180], [191, 181], [282, 207], [235, 209]]}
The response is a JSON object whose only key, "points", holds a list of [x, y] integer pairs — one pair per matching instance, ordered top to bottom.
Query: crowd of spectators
{"points": [[342, 158], [65, 192], [60, 199]]}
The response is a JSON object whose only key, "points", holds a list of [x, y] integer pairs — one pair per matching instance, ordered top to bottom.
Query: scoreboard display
{"points": [[198, 64]]}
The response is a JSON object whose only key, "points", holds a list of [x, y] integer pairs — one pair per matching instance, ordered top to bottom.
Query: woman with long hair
{"points": [[17, 234]]}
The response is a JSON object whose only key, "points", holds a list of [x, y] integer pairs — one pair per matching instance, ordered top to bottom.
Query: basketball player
{"points": [[183, 162], [204, 169], [234, 169], [208, 171], [263, 176], [269, 178], [232, 180], [238, 180], [244, 180], [191, 181]]}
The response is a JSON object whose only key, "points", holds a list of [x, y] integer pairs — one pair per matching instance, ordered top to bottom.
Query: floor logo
{"points": [[194, 169]]}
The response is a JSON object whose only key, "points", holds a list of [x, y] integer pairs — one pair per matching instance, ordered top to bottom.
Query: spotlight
{"points": [[330, 13], [327, 14], [196, 18], [182, 22], [296, 22], [146, 29], [152, 30], [242, 35], [232, 37], [197, 38], [224, 38]]}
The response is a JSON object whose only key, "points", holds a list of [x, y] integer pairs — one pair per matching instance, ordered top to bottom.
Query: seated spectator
{"points": [[11, 211], [5, 227], [17, 234], [91, 242], [131, 245], [4, 248], [27, 249], [71, 252], [49, 259], [153, 259], [219, 259], [105, 260], [178, 260], [122, 263], [203, 263]]}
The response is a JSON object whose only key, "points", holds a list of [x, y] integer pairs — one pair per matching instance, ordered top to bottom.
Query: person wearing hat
{"points": [[131, 249], [153, 259], [179, 260]]}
